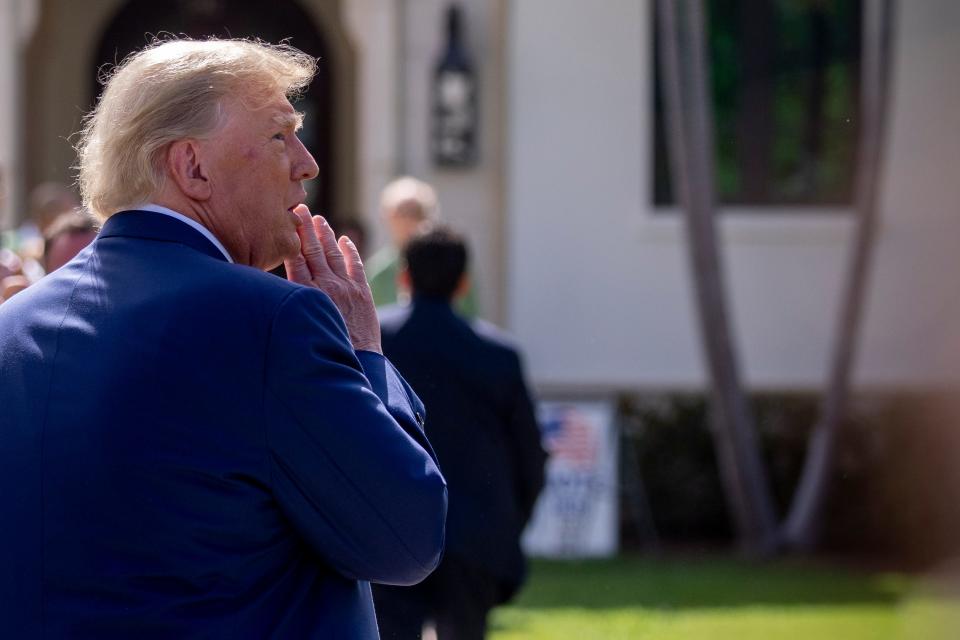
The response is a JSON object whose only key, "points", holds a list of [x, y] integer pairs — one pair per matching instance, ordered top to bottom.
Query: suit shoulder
{"points": [[252, 277], [244, 281], [245, 294], [393, 317], [494, 336], [496, 347]]}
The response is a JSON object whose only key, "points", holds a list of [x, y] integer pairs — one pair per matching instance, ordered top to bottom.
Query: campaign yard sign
{"points": [[576, 514]]}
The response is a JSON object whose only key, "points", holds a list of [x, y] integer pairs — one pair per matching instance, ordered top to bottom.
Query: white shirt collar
{"points": [[155, 208]]}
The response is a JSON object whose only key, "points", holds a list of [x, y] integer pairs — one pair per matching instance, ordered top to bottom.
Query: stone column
{"points": [[17, 21]]}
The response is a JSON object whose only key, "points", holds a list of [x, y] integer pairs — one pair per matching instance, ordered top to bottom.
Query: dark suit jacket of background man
{"points": [[481, 424], [191, 448]]}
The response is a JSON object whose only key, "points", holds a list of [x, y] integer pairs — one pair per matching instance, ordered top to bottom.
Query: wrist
{"points": [[374, 348]]}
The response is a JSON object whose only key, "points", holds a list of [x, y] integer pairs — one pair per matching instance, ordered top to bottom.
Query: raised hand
{"points": [[335, 268]]}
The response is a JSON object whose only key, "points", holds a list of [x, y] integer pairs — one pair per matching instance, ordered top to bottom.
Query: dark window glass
{"points": [[785, 76]]}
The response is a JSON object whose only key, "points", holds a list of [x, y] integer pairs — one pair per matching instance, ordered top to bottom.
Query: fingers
{"points": [[331, 249], [311, 251], [320, 253], [352, 258], [296, 267], [297, 270]]}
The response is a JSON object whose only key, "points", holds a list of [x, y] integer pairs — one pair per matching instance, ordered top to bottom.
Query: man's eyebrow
{"points": [[289, 120]]}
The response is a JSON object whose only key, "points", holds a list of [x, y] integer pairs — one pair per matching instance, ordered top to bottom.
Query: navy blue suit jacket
{"points": [[481, 424], [192, 449]]}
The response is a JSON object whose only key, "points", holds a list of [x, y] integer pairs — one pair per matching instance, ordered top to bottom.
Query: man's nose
{"points": [[305, 167]]}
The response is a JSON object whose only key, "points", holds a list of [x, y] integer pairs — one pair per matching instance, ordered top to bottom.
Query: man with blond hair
{"points": [[407, 205], [191, 447]]}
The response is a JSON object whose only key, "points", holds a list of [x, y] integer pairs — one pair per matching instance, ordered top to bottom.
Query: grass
{"points": [[719, 599]]}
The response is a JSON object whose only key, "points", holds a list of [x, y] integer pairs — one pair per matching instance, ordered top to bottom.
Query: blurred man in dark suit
{"points": [[481, 423]]}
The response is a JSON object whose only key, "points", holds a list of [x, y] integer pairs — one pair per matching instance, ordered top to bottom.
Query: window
{"points": [[785, 87]]}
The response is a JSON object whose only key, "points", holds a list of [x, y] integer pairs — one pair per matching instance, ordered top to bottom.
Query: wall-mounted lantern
{"points": [[453, 132]]}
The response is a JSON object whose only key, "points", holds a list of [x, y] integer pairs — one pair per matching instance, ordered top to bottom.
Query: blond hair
{"points": [[171, 90], [411, 198]]}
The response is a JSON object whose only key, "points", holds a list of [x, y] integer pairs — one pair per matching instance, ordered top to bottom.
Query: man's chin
{"points": [[289, 250]]}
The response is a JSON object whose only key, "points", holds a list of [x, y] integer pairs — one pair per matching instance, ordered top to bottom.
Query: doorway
{"points": [[139, 21]]}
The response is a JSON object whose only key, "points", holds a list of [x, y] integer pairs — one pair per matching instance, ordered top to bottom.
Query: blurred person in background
{"points": [[47, 202], [406, 204], [354, 229], [67, 236], [10, 264], [12, 280], [12, 285], [482, 425], [191, 446]]}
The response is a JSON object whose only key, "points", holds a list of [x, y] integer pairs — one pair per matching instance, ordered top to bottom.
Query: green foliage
{"points": [[675, 450], [892, 492]]}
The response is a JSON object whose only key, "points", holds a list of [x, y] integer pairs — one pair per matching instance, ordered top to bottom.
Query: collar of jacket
{"points": [[156, 226]]}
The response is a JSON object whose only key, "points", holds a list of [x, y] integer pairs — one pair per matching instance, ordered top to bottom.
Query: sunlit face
{"points": [[256, 165]]}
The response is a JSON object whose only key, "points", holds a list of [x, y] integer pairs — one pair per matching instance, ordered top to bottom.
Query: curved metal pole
{"points": [[690, 144], [802, 527]]}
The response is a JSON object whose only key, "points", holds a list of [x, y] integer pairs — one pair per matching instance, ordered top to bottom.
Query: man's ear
{"points": [[187, 170], [403, 280], [463, 286]]}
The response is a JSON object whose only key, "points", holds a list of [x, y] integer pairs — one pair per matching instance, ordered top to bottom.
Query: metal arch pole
{"points": [[689, 120], [802, 527]]}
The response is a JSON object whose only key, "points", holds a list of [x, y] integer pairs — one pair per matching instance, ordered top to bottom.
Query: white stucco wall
{"points": [[17, 21], [371, 25], [398, 43], [7, 108], [568, 251], [598, 287], [914, 313]]}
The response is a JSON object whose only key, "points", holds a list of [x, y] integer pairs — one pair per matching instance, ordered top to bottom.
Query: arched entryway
{"points": [[137, 22]]}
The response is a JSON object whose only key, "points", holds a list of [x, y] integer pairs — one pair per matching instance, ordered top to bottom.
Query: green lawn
{"points": [[707, 599]]}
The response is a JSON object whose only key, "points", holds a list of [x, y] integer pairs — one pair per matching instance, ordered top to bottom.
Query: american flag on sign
{"points": [[570, 439], [576, 514]]}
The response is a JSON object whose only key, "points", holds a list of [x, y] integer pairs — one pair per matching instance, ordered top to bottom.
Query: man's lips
{"points": [[297, 203], [294, 217]]}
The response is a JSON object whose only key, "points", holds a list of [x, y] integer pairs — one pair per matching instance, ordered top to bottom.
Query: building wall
{"points": [[17, 21], [371, 27], [391, 47], [59, 61], [8, 119], [471, 199], [568, 249], [598, 286], [914, 308]]}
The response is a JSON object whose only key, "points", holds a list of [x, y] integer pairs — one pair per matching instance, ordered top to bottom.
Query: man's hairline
{"points": [[227, 105]]}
